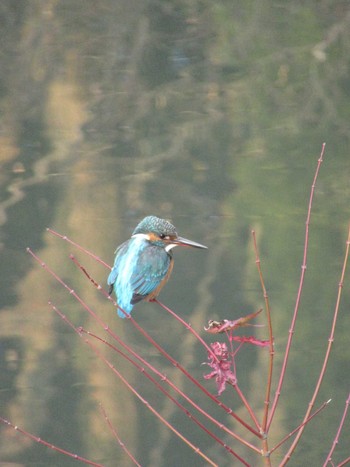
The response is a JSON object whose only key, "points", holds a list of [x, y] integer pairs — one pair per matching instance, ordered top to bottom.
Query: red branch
{"points": [[301, 284], [117, 437], [336, 439], [49, 445]]}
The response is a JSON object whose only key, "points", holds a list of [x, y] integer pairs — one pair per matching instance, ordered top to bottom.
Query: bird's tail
{"points": [[121, 314]]}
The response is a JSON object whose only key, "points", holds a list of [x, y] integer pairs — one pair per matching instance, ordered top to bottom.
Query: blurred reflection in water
{"points": [[210, 114]]}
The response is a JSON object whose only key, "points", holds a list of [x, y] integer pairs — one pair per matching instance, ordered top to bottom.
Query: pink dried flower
{"points": [[221, 366]]}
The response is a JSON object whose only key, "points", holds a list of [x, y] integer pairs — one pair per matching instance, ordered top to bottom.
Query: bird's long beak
{"points": [[185, 242]]}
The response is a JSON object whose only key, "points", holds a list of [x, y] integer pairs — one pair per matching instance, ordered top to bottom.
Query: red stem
{"points": [[79, 247], [297, 303], [271, 343], [247, 406], [299, 426], [116, 436], [336, 439], [49, 445], [344, 462]]}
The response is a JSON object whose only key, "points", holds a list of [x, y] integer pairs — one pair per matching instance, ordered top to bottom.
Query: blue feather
{"points": [[138, 270]]}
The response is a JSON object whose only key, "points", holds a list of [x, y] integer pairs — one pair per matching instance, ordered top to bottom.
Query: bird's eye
{"points": [[162, 236]]}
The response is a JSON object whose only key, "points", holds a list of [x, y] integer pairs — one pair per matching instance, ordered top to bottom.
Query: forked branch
{"points": [[326, 358]]}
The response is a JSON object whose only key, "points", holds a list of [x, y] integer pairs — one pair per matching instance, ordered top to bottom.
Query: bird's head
{"points": [[162, 233]]}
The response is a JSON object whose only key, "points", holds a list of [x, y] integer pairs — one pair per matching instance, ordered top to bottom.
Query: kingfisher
{"points": [[143, 263]]}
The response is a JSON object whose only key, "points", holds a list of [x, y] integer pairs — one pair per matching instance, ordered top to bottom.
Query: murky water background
{"points": [[211, 114]]}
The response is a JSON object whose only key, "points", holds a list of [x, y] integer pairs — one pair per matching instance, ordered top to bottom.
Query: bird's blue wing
{"points": [[120, 252], [139, 268], [151, 268], [117, 269], [119, 277]]}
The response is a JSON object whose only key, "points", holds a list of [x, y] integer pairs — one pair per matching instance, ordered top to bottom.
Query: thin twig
{"points": [[79, 247], [301, 284], [188, 327], [271, 343], [247, 405], [299, 426], [117, 437], [336, 439], [39, 440], [344, 462]]}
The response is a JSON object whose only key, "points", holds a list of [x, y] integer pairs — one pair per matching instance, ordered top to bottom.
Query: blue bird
{"points": [[143, 263]]}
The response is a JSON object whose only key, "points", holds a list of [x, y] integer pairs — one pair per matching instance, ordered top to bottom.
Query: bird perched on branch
{"points": [[143, 263]]}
